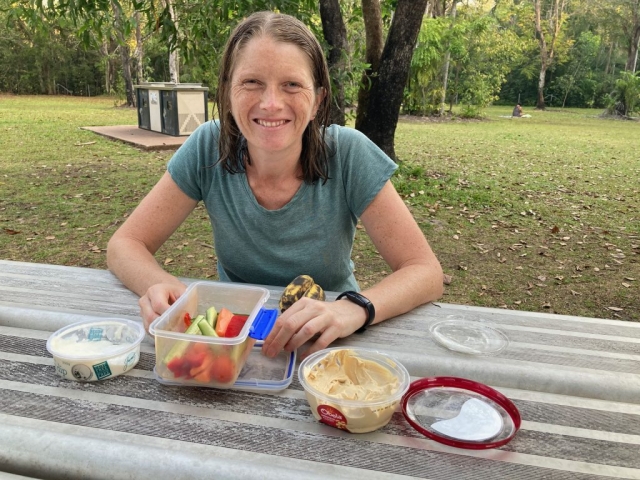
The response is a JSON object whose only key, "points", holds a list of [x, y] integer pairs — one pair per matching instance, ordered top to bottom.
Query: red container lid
{"points": [[460, 413]]}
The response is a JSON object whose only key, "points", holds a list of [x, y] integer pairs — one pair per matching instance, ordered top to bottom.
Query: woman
{"points": [[284, 195]]}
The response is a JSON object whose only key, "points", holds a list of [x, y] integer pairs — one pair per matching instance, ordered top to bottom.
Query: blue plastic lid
{"points": [[263, 323]]}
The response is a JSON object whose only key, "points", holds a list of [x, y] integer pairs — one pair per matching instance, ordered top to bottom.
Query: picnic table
{"points": [[575, 381]]}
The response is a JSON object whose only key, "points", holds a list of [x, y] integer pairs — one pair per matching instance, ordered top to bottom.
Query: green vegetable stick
{"points": [[212, 316], [206, 329], [178, 348]]}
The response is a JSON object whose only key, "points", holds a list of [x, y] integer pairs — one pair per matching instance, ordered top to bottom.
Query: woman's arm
{"points": [[130, 252], [416, 276], [416, 279]]}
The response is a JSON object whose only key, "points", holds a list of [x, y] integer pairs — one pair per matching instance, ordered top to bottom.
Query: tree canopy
{"points": [[544, 53]]}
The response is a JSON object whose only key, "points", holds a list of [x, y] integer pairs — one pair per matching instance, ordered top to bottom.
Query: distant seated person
{"points": [[517, 111]]}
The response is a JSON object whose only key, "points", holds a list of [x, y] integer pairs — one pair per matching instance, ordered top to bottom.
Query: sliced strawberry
{"points": [[235, 325]]}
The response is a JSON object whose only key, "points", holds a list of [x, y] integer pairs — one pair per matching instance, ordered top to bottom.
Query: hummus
{"points": [[342, 374], [353, 392]]}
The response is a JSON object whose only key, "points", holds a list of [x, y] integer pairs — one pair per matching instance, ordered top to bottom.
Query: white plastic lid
{"points": [[470, 337]]}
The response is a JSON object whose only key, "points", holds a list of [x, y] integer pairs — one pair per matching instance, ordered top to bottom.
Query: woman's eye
{"points": [[250, 83], [292, 86]]}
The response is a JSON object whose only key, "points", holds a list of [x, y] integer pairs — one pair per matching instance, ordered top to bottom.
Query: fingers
{"points": [[156, 301], [147, 312], [299, 324]]}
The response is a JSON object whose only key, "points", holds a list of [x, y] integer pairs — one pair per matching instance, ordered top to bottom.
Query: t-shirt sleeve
{"points": [[192, 163], [365, 168]]}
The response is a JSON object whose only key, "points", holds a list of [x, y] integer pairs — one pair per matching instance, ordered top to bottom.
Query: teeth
{"points": [[264, 123]]}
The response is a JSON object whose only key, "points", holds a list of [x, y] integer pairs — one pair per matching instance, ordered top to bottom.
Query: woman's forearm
{"points": [[135, 266], [405, 289]]}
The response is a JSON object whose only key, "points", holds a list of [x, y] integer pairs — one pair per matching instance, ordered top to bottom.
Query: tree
{"points": [[548, 28], [631, 28], [335, 33], [374, 44], [380, 114]]}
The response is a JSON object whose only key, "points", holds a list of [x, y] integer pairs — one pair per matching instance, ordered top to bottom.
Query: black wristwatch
{"points": [[364, 302]]}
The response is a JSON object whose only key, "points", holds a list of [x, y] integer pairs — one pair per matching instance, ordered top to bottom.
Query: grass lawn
{"points": [[538, 214]]}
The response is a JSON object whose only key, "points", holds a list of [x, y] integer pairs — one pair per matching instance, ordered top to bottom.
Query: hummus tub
{"points": [[97, 349], [353, 389]]}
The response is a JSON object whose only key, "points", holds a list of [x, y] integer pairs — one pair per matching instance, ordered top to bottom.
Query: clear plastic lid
{"points": [[470, 337], [95, 339], [259, 373], [460, 412]]}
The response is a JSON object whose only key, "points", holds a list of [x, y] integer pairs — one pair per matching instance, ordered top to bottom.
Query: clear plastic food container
{"points": [[96, 349], [204, 360], [377, 380]]}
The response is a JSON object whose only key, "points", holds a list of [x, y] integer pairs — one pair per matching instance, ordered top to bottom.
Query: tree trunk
{"points": [[554, 20], [335, 33], [374, 45], [139, 49], [632, 50], [104, 51], [125, 55], [174, 58], [445, 68], [387, 89], [540, 105]]}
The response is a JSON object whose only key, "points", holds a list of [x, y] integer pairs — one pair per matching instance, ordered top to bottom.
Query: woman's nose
{"points": [[271, 98]]}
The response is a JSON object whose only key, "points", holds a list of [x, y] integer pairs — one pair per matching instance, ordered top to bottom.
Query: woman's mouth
{"points": [[270, 124]]}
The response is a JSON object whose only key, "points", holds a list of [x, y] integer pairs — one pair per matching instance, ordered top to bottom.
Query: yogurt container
{"points": [[97, 349], [353, 389]]}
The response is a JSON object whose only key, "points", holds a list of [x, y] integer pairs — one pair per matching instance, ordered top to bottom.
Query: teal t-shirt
{"points": [[312, 234]]}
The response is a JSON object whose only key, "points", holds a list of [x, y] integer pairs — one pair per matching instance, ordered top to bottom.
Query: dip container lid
{"points": [[124, 334], [470, 337], [460, 413]]}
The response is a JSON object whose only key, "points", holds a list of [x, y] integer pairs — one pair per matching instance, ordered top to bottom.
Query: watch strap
{"points": [[364, 302]]}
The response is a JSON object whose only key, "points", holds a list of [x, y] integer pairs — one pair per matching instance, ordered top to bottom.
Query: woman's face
{"points": [[273, 97]]}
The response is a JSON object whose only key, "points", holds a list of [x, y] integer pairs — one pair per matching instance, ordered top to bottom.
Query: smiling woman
{"points": [[284, 192]]}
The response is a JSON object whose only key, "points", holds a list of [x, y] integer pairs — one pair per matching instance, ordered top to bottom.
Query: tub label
{"points": [[95, 334], [102, 370], [81, 372], [332, 417]]}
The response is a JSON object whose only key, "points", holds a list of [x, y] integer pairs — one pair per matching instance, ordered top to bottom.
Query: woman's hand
{"points": [[157, 300], [307, 318]]}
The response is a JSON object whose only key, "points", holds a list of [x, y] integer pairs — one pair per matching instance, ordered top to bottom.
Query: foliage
{"points": [[482, 53], [46, 60], [625, 97]]}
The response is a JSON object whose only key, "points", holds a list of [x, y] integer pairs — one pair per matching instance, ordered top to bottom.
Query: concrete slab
{"points": [[139, 137]]}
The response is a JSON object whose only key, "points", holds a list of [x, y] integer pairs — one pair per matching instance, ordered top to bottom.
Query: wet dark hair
{"points": [[287, 29]]}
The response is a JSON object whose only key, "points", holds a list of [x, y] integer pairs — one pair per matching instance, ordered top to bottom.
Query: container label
{"points": [[95, 334], [102, 370], [81, 372], [332, 417]]}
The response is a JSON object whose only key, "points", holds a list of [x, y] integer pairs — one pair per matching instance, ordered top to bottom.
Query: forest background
{"points": [[472, 53]]}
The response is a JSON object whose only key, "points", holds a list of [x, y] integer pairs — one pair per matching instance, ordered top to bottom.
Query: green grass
{"points": [[536, 214]]}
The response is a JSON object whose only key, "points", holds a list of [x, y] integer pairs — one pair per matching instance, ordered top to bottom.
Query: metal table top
{"points": [[575, 381]]}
